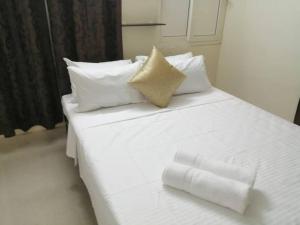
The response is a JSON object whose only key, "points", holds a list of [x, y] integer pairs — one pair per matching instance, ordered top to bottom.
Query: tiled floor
{"points": [[39, 185]]}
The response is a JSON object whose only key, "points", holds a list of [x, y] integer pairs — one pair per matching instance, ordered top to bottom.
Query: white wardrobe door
{"points": [[175, 14], [204, 17]]}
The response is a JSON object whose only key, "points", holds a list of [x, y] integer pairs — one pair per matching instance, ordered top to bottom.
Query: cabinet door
{"points": [[175, 14], [206, 19]]}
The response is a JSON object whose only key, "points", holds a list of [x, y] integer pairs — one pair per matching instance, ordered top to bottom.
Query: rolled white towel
{"points": [[218, 167], [208, 186]]}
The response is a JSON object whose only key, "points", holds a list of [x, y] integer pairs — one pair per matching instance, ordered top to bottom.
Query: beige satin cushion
{"points": [[157, 80]]}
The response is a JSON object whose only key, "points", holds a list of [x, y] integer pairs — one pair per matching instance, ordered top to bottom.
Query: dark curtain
{"points": [[84, 30], [32, 74], [28, 87]]}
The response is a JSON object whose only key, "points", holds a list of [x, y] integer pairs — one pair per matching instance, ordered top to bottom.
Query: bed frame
{"points": [[297, 116]]}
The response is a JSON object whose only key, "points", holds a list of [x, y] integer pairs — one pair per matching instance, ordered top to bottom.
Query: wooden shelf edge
{"points": [[142, 24]]}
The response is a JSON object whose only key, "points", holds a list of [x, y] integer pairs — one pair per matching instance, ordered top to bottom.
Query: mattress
{"points": [[122, 154]]}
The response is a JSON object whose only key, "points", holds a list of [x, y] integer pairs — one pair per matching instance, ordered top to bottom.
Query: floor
{"points": [[39, 185]]}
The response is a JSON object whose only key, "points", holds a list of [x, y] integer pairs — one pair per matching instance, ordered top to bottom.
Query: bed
{"points": [[121, 152]]}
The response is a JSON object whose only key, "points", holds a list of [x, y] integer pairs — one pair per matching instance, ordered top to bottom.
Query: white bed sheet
{"points": [[78, 122], [121, 162]]}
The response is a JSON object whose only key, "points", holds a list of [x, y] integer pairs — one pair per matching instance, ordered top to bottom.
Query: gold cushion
{"points": [[157, 80]]}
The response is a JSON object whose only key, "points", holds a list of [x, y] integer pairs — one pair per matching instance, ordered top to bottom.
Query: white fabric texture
{"points": [[171, 59], [95, 66], [92, 67], [193, 67], [196, 77], [105, 88], [105, 116], [122, 152], [218, 167], [208, 186]]}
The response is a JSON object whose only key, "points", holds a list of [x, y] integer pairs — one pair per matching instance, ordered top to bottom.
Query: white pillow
{"points": [[171, 59], [100, 65], [91, 67], [196, 77], [105, 88]]}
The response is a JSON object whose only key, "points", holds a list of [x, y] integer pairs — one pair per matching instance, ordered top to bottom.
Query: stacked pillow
{"points": [[100, 65], [92, 67], [194, 69], [160, 77], [196, 77], [157, 80], [107, 84], [104, 88]]}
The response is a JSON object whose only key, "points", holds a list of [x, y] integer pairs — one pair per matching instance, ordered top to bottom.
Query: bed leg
{"points": [[67, 123]]}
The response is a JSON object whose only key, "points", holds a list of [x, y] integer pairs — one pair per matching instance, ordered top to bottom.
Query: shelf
{"points": [[142, 24]]}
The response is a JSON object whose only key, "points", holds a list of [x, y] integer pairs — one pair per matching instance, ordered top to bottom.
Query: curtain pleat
{"points": [[85, 31], [32, 72], [28, 88]]}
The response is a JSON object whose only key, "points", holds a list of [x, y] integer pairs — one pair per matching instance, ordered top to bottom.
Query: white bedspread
{"points": [[82, 121], [122, 154]]}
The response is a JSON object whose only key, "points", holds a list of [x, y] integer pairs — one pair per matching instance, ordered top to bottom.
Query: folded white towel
{"points": [[228, 170], [208, 186]]}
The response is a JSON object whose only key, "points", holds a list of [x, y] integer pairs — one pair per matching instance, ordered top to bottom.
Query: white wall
{"points": [[139, 40], [260, 55]]}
